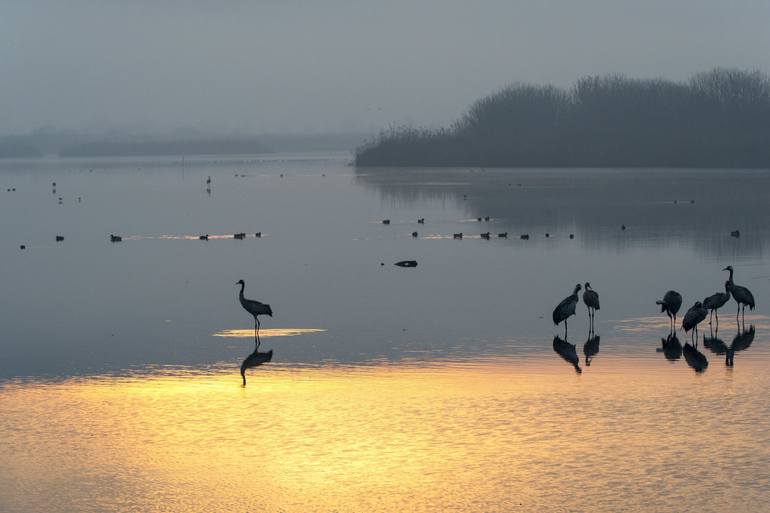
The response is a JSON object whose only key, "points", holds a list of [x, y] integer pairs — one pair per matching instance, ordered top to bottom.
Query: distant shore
{"points": [[720, 118], [68, 144]]}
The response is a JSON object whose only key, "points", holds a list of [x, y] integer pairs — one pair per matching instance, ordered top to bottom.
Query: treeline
{"points": [[720, 118], [159, 148]]}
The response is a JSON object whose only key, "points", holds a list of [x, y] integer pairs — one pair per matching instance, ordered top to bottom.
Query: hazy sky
{"points": [[337, 65]]}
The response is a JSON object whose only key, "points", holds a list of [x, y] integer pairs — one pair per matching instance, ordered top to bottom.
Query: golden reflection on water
{"points": [[267, 332], [447, 437]]}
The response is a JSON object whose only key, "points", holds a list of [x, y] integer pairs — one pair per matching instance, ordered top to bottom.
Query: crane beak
{"points": [[726, 269]]}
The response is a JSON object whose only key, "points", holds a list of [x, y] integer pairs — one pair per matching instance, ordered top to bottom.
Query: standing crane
{"points": [[742, 295], [591, 300], [716, 301], [671, 303], [255, 308], [566, 308], [694, 316]]}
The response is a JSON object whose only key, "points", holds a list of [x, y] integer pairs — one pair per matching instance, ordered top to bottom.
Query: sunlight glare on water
{"points": [[451, 437]]}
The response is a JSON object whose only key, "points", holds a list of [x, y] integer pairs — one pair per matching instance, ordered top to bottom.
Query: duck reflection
{"points": [[591, 347], [671, 347], [567, 351], [694, 358], [255, 359]]}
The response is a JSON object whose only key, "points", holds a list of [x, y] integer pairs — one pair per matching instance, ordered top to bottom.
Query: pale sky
{"points": [[338, 65]]}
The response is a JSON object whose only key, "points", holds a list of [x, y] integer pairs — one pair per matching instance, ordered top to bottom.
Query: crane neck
{"points": [[731, 277], [243, 286]]}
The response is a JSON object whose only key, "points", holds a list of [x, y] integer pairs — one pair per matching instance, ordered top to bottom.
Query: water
{"points": [[390, 389]]}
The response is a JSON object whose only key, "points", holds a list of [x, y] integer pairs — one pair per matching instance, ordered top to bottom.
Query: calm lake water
{"points": [[390, 389]]}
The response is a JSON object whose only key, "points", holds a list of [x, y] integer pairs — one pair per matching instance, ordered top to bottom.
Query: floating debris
{"points": [[406, 263]]}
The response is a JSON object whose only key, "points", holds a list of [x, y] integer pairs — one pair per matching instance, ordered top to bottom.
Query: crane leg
{"points": [[716, 314], [711, 315]]}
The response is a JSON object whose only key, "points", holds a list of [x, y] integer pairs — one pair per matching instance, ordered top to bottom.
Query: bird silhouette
{"points": [[742, 295], [591, 300], [716, 301], [670, 304], [255, 308], [566, 308], [694, 316], [741, 341], [591, 347], [671, 347], [567, 351], [694, 358], [253, 360]]}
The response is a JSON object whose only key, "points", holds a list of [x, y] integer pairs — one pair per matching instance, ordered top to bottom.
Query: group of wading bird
{"points": [[670, 305]]}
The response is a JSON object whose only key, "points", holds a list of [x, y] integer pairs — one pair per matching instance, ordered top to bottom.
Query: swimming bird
{"points": [[421, 220], [386, 221], [415, 234], [736, 234], [458, 235], [485, 235], [503, 235], [239, 236], [524, 236], [203, 237], [59, 238], [115, 238], [406, 263], [742, 295], [591, 300], [716, 301], [670, 304], [255, 308], [566, 308], [694, 316], [254, 359]]}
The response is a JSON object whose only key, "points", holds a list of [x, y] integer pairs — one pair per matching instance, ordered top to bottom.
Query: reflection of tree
{"points": [[594, 203]]}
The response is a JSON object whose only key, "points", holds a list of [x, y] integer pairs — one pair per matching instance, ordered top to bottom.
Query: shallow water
{"points": [[390, 389]]}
